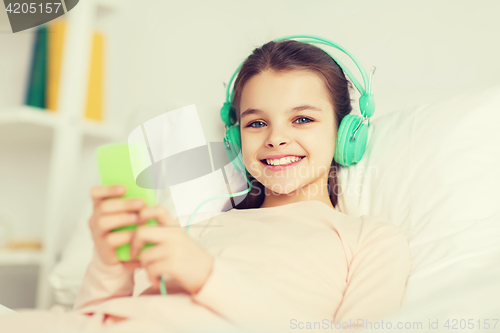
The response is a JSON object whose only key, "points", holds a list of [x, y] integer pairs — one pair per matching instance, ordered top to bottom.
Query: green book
{"points": [[35, 95]]}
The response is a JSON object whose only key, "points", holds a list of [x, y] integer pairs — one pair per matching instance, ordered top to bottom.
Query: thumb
{"points": [[131, 264]]}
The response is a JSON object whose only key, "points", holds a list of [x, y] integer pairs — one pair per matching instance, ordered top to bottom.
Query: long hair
{"points": [[283, 56]]}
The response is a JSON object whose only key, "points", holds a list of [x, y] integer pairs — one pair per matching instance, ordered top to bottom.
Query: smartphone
{"points": [[116, 164]]}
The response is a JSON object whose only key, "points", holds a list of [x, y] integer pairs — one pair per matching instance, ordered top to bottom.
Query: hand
{"points": [[111, 212], [174, 253]]}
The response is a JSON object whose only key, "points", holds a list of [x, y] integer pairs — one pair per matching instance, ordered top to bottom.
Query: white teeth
{"points": [[283, 161]]}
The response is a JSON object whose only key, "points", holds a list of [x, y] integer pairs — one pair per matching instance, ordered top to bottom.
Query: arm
{"points": [[377, 274], [102, 282], [247, 303]]}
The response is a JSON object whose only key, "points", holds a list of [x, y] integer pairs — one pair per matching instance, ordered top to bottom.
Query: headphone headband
{"points": [[366, 101]]}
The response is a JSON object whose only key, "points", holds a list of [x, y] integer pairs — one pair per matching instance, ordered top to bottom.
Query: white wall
{"points": [[176, 53], [166, 54]]}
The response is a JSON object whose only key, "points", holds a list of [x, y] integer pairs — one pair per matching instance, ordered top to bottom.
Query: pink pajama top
{"points": [[275, 269]]}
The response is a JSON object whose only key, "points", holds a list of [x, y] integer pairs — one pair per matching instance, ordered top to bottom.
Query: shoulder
{"points": [[377, 225], [376, 228], [372, 231], [374, 240], [385, 241]]}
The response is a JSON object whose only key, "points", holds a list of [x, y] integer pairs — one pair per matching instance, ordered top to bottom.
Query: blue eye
{"points": [[309, 119], [259, 121], [255, 122]]}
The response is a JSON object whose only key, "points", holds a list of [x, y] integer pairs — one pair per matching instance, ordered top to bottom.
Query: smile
{"points": [[282, 163]]}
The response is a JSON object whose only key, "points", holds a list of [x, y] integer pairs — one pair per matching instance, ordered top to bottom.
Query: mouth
{"points": [[281, 166]]}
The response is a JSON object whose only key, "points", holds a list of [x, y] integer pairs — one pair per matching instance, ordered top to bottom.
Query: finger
{"points": [[101, 192], [118, 205], [158, 213], [107, 223], [154, 234], [118, 238], [139, 240], [154, 253], [131, 264], [155, 270]]}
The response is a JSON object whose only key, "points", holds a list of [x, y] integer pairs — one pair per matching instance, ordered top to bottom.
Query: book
{"points": [[56, 34], [35, 94], [94, 94], [94, 105]]}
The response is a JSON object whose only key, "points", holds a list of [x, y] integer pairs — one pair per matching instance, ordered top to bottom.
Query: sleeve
{"points": [[377, 274], [102, 282], [246, 302]]}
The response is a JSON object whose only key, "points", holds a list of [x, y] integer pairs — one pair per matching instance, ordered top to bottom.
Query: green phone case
{"points": [[115, 168]]}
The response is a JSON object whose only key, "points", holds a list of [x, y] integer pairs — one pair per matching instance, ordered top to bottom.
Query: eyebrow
{"points": [[295, 109]]}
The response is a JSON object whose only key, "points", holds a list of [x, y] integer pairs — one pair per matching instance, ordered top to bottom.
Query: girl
{"points": [[284, 258]]}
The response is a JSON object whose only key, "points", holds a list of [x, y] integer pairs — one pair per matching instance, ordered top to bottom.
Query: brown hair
{"points": [[287, 55]]}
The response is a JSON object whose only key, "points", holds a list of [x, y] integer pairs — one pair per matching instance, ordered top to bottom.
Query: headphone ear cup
{"points": [[367, 105], [228, 114], [233, 138], [350, 152]]}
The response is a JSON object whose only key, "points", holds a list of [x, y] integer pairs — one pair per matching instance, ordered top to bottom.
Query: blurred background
{"points": [[156, 56]]}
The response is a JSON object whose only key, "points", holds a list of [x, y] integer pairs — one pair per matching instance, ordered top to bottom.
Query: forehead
{"points": [[290, 88], [284, 90]]}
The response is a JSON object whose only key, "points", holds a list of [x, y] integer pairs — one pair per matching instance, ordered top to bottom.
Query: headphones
{"points": [[351, 136]]}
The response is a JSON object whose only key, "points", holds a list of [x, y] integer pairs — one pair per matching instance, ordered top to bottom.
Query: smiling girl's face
{"points": [[288, 114]]}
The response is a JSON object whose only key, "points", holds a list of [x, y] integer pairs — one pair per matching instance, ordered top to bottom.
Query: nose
{"points": [[277, 138]]}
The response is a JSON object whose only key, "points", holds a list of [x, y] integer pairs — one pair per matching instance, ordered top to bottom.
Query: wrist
{"points": [[204, 275]]}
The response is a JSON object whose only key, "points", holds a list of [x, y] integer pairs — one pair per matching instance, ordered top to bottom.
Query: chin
{"points": [[288, 187]]}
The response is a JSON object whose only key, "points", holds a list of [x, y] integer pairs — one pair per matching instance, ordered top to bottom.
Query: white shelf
{"points": [[28, 115], [28, 119], [55, 146], [20, 257]]}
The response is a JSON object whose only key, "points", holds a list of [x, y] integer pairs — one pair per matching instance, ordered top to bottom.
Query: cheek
{"points": [[334, 143], [324, 149], [248, 150]]}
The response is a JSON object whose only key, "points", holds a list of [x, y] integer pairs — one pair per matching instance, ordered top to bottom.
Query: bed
{"points": [[433, 170]]}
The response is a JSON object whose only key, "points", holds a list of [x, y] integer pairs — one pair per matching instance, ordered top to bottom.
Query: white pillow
{"points": [[434, 170], [67, 276]]}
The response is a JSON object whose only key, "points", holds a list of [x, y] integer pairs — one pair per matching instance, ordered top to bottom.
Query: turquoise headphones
{"points": [[352, 134]]}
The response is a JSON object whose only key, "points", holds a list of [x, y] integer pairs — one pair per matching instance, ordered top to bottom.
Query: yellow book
{"points": [[56, 33], [94, 101], [94, 105]]}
